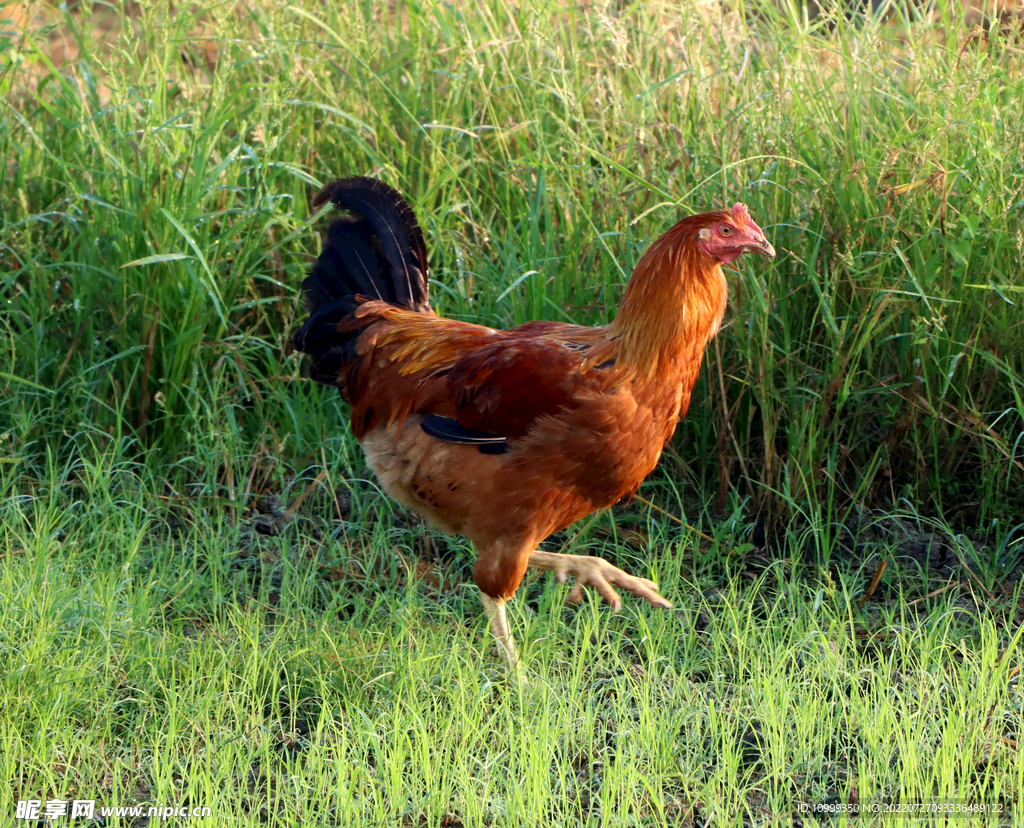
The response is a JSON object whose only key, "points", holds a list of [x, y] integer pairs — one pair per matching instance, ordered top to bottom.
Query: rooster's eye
{"points": [[725, 230]]}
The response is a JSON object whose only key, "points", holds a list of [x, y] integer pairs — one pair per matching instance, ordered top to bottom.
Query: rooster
{"points": [[507, 436]]}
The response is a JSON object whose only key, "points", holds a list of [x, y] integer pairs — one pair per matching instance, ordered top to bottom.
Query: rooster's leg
{"points": [[598, 573], [495, 609]]}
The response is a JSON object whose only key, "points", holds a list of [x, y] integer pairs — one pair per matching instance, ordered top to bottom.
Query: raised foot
{"points": [[599, 574]]}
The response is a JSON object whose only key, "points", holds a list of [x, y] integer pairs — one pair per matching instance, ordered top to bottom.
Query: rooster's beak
{"points": [[762, 247]]}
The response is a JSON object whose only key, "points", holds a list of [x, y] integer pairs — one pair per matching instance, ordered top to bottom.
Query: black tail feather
{"points": [[393, 223], [376, 253], [348, 265]]}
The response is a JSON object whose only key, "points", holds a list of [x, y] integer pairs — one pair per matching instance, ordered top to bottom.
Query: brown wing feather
{"points": [[402, 361], [497, 381], [505, 386]]}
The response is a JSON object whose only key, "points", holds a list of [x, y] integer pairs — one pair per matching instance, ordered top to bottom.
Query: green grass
{"points": [[156, 647], [144, 664]]}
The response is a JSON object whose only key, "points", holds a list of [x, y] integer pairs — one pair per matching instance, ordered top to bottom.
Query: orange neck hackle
{"points": [[673, 304]]}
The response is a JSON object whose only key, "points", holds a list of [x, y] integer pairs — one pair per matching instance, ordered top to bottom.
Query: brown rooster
{"points": [[508, 436]]}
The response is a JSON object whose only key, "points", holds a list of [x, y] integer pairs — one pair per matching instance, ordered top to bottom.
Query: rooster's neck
{"points": [[673, 305]]}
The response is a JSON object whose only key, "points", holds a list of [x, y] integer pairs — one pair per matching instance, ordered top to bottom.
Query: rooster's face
{"points": [[732, 233]]}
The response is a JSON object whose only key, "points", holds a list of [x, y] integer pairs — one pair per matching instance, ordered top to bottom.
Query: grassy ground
{"points": [[839, 520]]}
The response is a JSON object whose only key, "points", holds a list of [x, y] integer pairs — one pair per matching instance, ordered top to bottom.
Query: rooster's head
{"points": [[729, 233]]}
